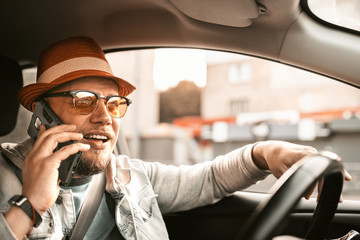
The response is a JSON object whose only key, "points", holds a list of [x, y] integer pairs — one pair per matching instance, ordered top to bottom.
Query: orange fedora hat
{"points": [[67, 60]]}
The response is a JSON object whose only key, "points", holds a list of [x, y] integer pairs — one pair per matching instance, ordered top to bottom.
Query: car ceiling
{"points": [[275, 29]]}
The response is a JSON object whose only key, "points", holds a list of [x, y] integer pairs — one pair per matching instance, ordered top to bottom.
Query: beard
{"points": [[89, 167]]}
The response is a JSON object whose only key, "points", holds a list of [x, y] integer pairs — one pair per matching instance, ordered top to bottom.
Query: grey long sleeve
{"points": [[185, 187]]}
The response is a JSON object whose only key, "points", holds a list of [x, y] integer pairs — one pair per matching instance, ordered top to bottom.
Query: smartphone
{"points": [[44, 115]]}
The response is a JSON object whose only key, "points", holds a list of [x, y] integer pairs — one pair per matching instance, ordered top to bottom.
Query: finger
{"points": [[41, 129], [43, 132], [66, 136], [53, 140], [71, 149], [280, 170], [348, 177], [320, 186], [310, 192], [341, 199]]}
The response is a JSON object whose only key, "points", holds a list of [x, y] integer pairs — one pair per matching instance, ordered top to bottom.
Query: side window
{"points": [[185, 118]]}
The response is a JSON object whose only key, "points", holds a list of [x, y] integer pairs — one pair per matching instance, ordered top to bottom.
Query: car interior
{"points": [[280, 31]]}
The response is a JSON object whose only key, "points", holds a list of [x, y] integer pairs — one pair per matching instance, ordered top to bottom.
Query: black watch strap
{"points": [[23, 203]]}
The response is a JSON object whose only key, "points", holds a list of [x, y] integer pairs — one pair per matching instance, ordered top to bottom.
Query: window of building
{"points": [[239, 73], [238, 106]]}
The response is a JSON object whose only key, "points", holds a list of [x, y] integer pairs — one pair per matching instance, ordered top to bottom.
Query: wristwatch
{"points": [[23, 203]]}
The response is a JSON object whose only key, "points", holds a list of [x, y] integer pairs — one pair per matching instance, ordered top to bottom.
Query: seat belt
{"points": [[89, 207]]}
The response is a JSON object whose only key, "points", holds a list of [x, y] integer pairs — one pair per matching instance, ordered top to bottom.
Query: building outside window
{"points": [[239, 73], [238, 106]]}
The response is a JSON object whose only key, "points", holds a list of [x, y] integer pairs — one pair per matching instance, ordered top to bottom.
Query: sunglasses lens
{"points": [[85, 102], [117, 106]]}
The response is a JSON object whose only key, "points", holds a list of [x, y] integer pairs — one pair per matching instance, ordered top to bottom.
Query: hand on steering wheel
{"points": [[294, 184]]}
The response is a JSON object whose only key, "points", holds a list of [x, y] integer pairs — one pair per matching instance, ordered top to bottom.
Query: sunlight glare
{"points": [[174, 65]]}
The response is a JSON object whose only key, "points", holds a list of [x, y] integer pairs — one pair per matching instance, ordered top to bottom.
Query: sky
{"points": [[174, 65]]}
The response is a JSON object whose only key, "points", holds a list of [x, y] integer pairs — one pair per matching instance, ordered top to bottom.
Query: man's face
{"points": [[99, 129]]}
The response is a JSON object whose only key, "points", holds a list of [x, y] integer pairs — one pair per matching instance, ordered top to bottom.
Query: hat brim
{"points": [[28, 94]]}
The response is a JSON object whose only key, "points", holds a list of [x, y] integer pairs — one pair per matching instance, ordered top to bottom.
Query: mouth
{"points": [[102, 138]]}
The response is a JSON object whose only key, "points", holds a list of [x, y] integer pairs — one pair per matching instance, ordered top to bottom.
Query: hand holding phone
{"points": [[44, 115]]}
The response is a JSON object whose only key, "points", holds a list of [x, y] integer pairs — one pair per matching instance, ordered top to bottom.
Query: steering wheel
{"points": [[291, 187]]}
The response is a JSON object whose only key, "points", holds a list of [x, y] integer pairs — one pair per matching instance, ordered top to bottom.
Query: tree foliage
{"points": [[180, 101]]}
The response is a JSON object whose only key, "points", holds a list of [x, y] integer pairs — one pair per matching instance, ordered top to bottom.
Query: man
{"points": [[76, 81]]}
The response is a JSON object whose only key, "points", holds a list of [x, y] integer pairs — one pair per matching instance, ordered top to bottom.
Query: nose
{"points": [[101, 115]]}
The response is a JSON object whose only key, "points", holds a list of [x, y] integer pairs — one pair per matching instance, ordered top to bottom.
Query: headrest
{"points": [[11, 80]]}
